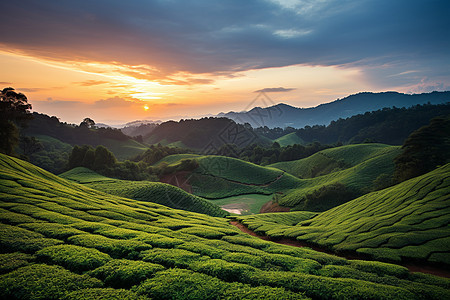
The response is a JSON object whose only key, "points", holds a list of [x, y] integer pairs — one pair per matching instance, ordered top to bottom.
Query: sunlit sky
{"points": [[119, 61]]}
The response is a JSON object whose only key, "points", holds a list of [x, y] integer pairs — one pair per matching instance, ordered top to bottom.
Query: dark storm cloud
{"points": [[223, 37]]}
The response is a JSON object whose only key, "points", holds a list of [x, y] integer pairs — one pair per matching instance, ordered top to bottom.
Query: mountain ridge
{"points": [[284, 115]]}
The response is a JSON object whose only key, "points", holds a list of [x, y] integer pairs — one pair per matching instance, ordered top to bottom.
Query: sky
{"points": [[119, 61]]}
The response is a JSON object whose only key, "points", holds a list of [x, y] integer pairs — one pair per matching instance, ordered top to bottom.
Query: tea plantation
{"points": [[351, 170], [157, 192], [406, 222], [62, 240]]}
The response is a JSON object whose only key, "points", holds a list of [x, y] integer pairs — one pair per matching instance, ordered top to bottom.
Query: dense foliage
{"points": [[14, 113], [388, 125], [206, 134], [124, 147], [424, 150], [269, 155], [164, 253]]}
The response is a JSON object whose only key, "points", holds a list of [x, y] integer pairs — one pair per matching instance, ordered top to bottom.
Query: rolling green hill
{"points": [[289, 139], [334, 159], [348, 171], [220, 177], [156, 192], [409, 221], [60, 240]]}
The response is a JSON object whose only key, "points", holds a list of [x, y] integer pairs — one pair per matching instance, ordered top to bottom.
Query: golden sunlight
{"points": [[146, 107]]}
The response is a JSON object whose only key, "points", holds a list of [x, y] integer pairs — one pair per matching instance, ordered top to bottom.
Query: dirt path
{"points": [[412, 267]]}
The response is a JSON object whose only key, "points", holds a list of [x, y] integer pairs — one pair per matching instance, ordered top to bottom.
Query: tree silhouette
{"points": [[14, 113], [87, 122]]}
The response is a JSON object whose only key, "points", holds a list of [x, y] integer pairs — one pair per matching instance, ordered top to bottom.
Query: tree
{"points": [[14, 113], [88, 123], [30, 145], [424, 150], [103, 158]]}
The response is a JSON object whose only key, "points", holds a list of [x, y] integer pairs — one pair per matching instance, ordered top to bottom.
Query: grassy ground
{"points": [[289, 139], [156, 192], [409, 221], [59, 239]]}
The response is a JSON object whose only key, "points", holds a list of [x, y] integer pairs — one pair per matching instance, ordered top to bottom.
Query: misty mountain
{"points": [[283, 115]]}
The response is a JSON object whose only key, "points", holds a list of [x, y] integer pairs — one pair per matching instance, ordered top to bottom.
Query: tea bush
{"points": [[74, 258], [122, 273], [39, 281]]}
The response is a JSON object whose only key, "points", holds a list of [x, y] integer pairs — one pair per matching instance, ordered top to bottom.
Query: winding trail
{"points": [[412, 267]]}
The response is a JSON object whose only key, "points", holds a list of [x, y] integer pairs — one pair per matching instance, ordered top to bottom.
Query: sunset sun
{"points": [[146, 107]]}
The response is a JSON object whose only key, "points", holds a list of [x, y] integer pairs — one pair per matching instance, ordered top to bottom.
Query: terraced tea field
{"points": [[335, 159], [354, 167], [156, 192], [407, 222], [62, 240]]}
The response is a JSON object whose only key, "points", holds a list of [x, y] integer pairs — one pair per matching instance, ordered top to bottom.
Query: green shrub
{"points": [[15, 218], [52, 230], [203, 231], [13, 238], [158, 240], [247, 241], [115, 248], [203, 249], [74, 258], [172, 258], [244, 258], [12, 261], [289, 263], [380, 268], [222, 269], [350, 272], [125, 273], [43, 282], [182, 284], [318, 287], [240, 291], [103, 294]]}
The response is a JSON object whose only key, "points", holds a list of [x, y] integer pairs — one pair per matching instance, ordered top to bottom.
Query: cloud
{"points": [[164, 38], [90, 82], [5, 83], [31, 90], [274, 90], [115, 102]]}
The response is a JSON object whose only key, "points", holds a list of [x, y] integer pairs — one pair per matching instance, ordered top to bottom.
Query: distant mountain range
{"points": [[283, 115]]}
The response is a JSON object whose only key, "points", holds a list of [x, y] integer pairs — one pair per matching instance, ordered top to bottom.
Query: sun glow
{"points": [[146, 107]]}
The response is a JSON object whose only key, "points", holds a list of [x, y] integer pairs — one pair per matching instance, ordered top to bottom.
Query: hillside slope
{"points": [[334, 159], [352, 169], [220, 176], [156, 192], [409, 221], [62, 240]]}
